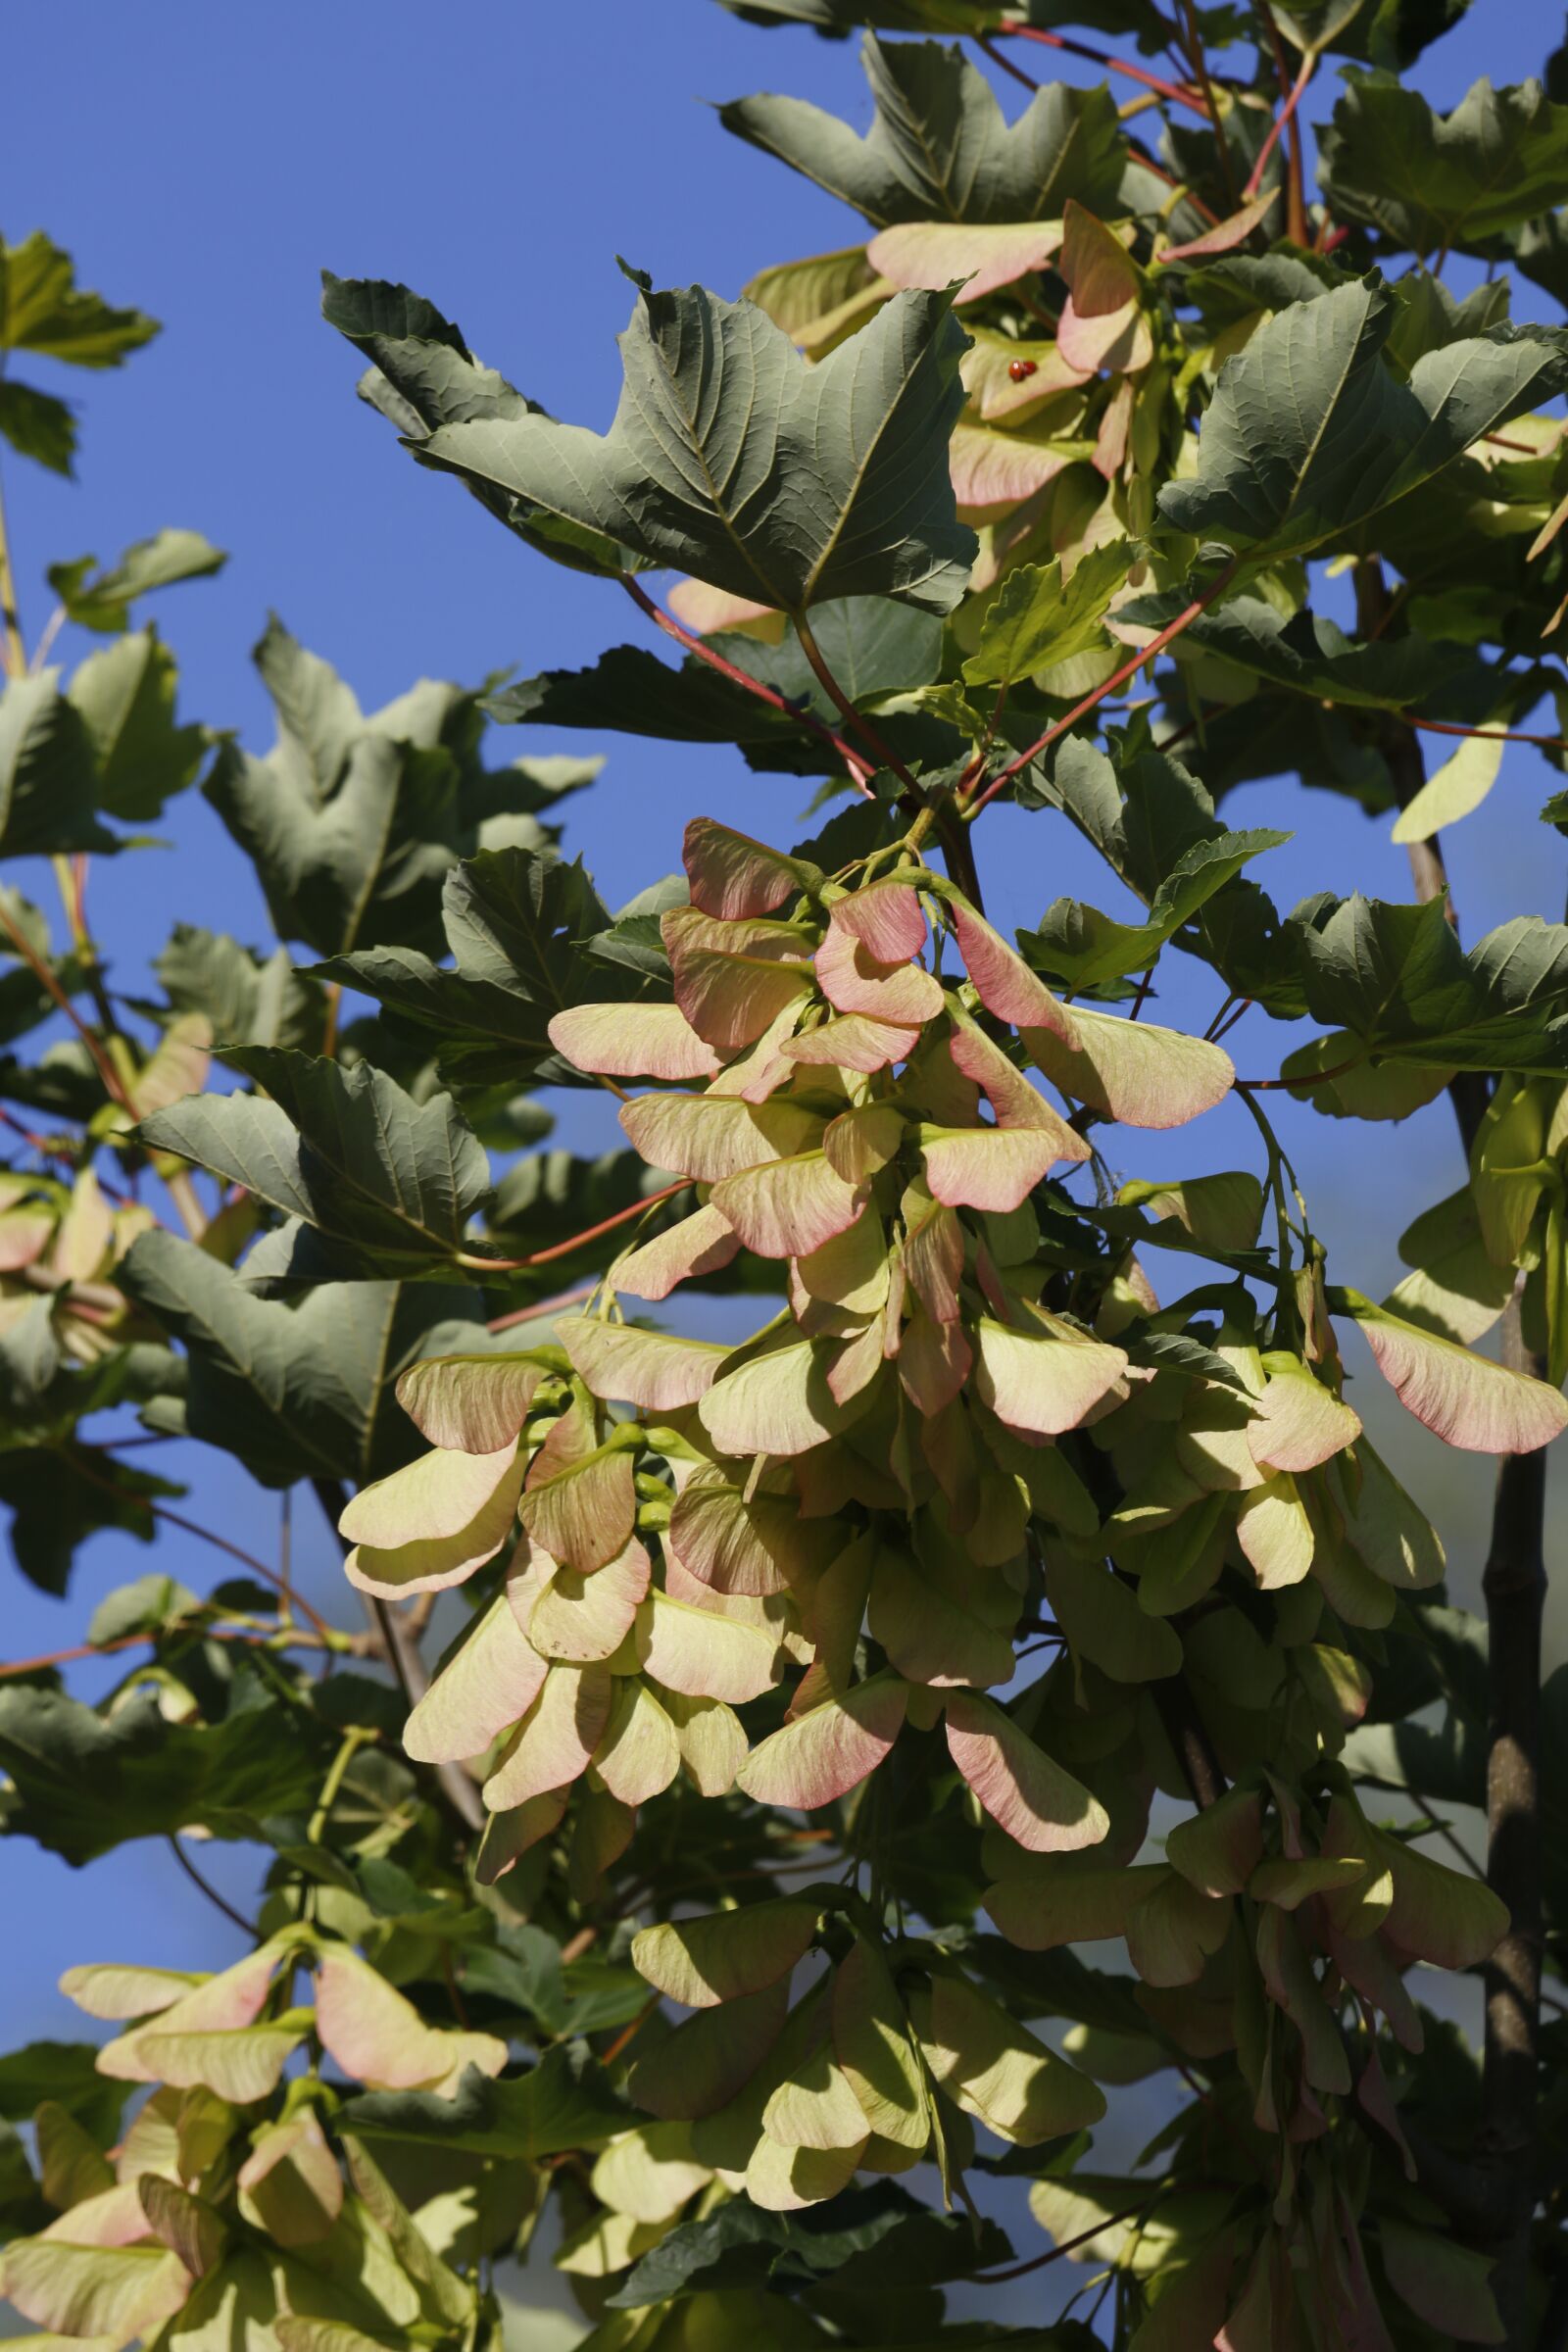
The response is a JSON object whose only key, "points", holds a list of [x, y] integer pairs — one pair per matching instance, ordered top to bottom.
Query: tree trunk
{"points": [[1515, 1588]]}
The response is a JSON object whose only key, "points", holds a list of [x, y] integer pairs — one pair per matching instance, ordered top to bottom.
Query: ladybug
{"points": [[1020, 371]]}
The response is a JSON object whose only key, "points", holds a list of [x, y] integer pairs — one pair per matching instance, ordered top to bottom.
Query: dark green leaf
{"points": [[838, 17], [1390, 34], [939, 147], [1434, 184], [1540, 251], [1237, 285], [42, 309], [421, 357], [423, 375], [37, 426], [1309, 433], [733, 460], [104, 602], [872, 646], [1307, 653], [629, 690], [125, 694], [48, 773], [1141, 808], [354, 821], [517, 924], [1084, 948], [1397, 980], [250, 1000], [24, 1002], [392, 1183], [301, 1390], [58, 1495], [1446, 1762], [81, 1784], [67, 2073], [564, 2102], [22, 2210], [698, 2255]]}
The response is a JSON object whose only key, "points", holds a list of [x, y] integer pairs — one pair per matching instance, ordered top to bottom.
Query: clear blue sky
{"points": [[205, 163]]}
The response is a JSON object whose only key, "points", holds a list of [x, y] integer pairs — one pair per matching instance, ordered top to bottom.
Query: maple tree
{"points": [[1026, 1582]]}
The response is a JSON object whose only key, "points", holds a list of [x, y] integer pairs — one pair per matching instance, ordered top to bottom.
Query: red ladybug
{"points": [[1021, 370]]}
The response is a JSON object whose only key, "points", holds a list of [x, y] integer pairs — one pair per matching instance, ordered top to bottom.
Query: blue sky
{"points": [[205, 163]]}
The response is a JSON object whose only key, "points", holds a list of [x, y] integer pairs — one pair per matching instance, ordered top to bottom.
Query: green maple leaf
{"points": [[939, 147], [1432, 182], [1311, 433], [733, 460], [355, 818], [388, 1182], [297, 1390]]}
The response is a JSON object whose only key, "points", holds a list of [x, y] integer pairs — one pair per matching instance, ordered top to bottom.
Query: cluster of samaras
{"points": [[871, 1488], [235, 2201]]}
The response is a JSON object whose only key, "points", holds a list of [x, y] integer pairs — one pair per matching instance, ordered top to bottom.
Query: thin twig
{"points": [[986, 42], [1194, 44], [1170, 91], [1286, 115], [1295, 177], [46, 638], [12, 652], [738, 677], [1090, 702], [1448, 726], [864, 727], [114, 1085], [1298, 1085], [35, 1141], [579, 1241], [542, 1308], [207, 1535], [286, 1550], [13, 1667], [1456, 1844], [245, 1925], [460, 2007], [627, 2033], [1066, 2245]]}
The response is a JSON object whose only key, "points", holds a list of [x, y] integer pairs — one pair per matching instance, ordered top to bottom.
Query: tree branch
{"points": [[1194, 45], [1171, 91], [1286, 118], [1295, 177], [12, 652], [113, 1083], [1468, 1089], [576, 1240], [207, 1535], [1514, 1585], [1515, 1588], [217, 1901]]}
